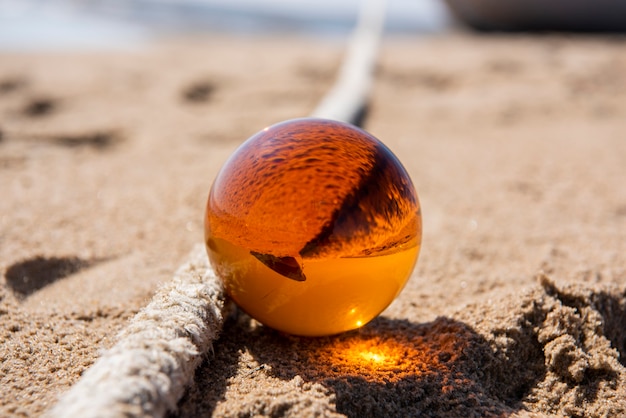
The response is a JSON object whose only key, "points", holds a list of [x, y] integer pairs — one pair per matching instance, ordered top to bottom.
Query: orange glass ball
{"points": [[313, 226]]}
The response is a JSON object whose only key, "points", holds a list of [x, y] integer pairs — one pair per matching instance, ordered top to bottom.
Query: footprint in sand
{"points": [[11, 84], [198, 92], [40, 107], [99, 140], [27, 277]]}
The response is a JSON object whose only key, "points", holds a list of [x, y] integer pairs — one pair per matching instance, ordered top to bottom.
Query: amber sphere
{"points": [[313, 226]]}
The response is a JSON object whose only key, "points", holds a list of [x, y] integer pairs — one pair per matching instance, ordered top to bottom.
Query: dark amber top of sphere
{"points": [[310, 188]]}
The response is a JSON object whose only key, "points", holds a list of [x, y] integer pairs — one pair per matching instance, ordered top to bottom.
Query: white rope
{"points": [[347, 99], [154, 360], [147, 371]]}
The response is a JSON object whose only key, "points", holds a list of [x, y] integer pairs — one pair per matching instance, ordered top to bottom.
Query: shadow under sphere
{"points": [[390, 367]]}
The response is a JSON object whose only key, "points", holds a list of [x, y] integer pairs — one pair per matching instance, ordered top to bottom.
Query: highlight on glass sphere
{"points": [[313, 226]]}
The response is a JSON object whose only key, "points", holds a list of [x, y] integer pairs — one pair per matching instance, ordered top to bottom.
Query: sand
{"points": [[517, 306]]}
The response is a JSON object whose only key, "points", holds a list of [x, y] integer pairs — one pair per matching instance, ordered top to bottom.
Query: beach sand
{"points": [[517, 306]]}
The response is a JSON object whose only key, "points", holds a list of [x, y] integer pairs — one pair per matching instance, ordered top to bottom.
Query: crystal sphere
{"points": [[313, 226]]}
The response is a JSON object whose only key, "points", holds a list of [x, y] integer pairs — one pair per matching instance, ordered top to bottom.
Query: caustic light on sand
{"points": [[313, 226]]}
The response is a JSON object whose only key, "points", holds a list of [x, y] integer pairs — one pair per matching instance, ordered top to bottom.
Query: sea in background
{"points": [[88, 24]]}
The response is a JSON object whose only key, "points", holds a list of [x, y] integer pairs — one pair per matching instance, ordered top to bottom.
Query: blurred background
{"points": [[36, 24]]}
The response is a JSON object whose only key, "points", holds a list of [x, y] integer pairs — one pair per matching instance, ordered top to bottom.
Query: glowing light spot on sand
{"points": [[388, 352], [373, 357]]}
